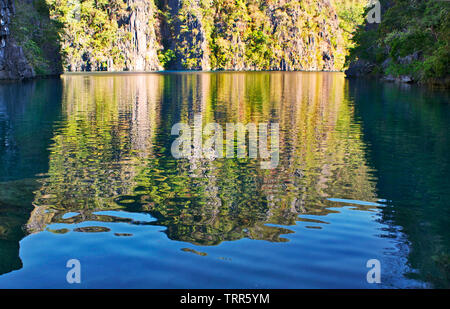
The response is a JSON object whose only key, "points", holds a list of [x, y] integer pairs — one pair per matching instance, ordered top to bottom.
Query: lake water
{"points": [[87, 173]]}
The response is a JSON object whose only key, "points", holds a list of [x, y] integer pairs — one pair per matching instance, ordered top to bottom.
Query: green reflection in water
{"points": [[75, 147], [112, 151]]}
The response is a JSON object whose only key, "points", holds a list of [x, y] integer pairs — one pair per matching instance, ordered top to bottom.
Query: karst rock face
{"points": [[153, 35], [234, 35], [138, 45], [141, 50], [13, 64]]}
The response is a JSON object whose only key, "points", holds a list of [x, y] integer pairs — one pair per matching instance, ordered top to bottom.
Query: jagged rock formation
{"points": [[185, 27], [118, 35], [152, 35], [254, 35], [310, 37], [141, 51], [13, 64]]}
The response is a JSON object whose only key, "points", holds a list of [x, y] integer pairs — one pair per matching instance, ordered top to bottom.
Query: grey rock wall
{"points": [[13, 64]]}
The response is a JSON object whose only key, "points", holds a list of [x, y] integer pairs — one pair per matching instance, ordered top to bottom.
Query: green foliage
{"points": [[351, 16], [408, 27], [92, 34], [209, 34], [38, 35], [273, 35], [405, 43], [364, 47], [258, 49], [166, 58], [437, 64], [413, 69]]}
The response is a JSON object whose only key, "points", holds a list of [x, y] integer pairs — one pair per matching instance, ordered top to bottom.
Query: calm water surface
{"points": [[86, 173]]}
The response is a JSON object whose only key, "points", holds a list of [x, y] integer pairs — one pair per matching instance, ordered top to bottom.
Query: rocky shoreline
{"points": [[366, 69]]}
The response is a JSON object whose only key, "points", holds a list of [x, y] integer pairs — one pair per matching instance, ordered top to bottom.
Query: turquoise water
{"points": [[87, 173]]}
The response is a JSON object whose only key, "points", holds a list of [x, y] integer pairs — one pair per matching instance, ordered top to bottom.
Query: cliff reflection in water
{"points": [[111, 151]]}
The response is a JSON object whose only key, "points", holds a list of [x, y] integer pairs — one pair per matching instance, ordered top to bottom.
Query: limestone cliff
{"points": [[183, 24], [117, 35], [152, 35], [254, 35], [278, 35], [141, 50], [13, 64]]}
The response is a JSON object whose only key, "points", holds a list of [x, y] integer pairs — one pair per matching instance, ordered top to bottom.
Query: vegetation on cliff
{"points": [[91, 32], [265, 34], [38, 35], [106, 35], [117, 35], [276, 35], [412, 41]]}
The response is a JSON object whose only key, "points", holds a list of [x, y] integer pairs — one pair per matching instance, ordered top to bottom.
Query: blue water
{"points": [[86, 173]]}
